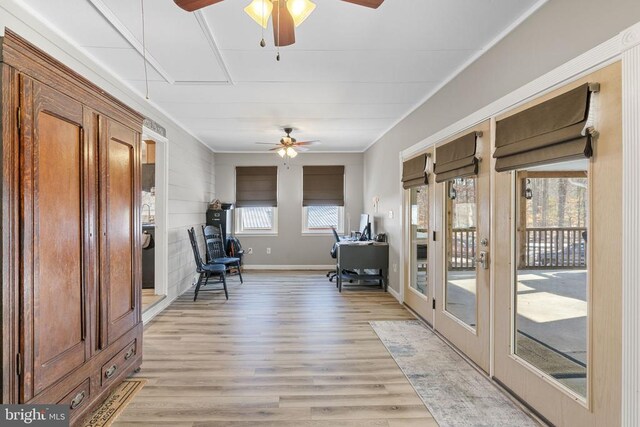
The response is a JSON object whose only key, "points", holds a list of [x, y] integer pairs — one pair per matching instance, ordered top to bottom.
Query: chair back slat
{"points": [[215, 244]]}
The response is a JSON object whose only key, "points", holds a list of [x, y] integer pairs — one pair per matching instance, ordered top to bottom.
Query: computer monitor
{"points": [[365, 227]]}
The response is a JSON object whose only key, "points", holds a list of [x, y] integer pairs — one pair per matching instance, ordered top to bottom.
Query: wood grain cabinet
{"points": [[71, 267]]}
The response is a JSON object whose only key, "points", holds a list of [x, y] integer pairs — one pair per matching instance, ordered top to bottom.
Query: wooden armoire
{"points": [[71, 320]]}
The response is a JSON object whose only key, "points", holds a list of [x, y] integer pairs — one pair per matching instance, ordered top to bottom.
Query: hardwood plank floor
{"points": [[286, 350]]}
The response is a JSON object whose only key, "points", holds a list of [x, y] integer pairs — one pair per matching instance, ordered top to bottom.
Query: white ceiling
{"points": [[352, 74]]}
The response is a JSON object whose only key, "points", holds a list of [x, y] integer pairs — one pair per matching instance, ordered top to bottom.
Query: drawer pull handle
{"points": [[130, 353], [109, 372], [77, 401]]}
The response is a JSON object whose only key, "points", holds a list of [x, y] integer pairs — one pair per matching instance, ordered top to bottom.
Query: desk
{"points": [[356, 256]]}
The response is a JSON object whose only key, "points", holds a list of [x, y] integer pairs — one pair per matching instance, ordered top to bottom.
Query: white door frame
{"points": [[624, 46], [161, 215]]}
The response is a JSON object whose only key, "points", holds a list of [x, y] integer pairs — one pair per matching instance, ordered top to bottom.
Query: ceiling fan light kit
{"points": [[300, 10], [260, 11], [286, 15]]}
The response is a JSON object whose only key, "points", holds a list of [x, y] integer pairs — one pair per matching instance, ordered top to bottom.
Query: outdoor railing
{"points": [[555, 248], [463, 249]]}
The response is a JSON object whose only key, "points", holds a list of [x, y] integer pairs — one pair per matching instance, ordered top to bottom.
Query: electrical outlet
{"points": [[390, 214], [249, 251], [268, 251], [395, 267]]}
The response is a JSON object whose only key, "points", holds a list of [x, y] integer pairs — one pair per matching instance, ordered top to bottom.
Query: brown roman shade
{"points": [[549, 132], [457, 159], [413, 172], [256, 186], [323, 186]]}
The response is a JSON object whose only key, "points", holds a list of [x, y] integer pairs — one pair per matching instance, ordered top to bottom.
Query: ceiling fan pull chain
{"points": [[262, 42], [278, 43]]}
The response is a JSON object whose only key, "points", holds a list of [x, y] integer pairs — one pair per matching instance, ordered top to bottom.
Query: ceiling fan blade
{"points": [[374, 4], [191, 5], [283, 28], [266, 143], [307, 143], [277, 148]]}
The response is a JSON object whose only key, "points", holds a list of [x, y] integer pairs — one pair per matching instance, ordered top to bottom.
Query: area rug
{"points": [[455, 393], [117, 401]]}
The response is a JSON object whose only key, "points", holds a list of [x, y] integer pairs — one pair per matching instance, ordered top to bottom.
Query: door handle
{"points": [[483, 260]]}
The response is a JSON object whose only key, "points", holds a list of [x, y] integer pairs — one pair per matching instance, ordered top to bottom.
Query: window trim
{"points": [[238, 229], [322, 231]]}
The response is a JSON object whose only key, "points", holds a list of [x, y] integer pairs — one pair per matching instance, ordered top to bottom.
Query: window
{"points": [[320, 219], [257, 220], [461, 226], [419, 238], [552, 315]]}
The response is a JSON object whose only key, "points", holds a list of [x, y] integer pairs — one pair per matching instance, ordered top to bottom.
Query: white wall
{"points": [[556, 33], [191, 164], [290, 246]]}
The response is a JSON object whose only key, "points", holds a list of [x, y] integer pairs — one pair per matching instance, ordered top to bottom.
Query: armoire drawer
{"points": [[119, 362], [78, 398]]}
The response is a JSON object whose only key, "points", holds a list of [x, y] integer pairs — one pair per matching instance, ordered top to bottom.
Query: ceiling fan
{"points": [[285, 14], [288, 147]]}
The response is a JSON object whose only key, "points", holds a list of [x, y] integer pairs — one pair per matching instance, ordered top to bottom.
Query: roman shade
{"points": [[555, 130], [457, 159], [414, 172], [256, 186], [323, 186]]}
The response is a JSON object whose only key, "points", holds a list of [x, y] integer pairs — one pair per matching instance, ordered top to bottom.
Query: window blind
{"points": [[555, 130], [457, 159], [414, 172], [256, 186], [323, 186]]}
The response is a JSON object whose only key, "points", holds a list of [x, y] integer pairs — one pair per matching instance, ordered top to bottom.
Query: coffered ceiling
{"points": [[352, 74]]}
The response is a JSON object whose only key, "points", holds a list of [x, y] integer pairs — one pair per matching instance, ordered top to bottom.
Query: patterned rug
{"points": [[455, 393], [117, 401]]}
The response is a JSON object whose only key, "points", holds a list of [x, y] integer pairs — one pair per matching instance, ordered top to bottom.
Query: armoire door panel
{"points": [[118, 197], [54, 287]]}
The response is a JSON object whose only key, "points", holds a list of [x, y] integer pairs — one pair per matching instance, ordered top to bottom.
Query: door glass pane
{"points": [[461, 220], [419, 238], [551, 259]]}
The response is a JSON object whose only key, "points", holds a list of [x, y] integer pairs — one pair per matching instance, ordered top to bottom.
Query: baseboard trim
{"points": [[289, 267], [394, 294], [158, 308]]}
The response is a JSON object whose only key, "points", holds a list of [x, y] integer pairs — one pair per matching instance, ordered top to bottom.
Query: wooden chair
{"points": [[216, 252], [205, 271]]}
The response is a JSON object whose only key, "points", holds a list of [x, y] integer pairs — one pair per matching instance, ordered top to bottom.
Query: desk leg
{"points": [[339, 279], [385, 279]]}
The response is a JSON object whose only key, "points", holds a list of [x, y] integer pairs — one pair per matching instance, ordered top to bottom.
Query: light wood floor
{"points": [[149, 299], [286, 350]]}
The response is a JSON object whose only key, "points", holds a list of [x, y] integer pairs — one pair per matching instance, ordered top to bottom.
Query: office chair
{"points": [[334, 254]]}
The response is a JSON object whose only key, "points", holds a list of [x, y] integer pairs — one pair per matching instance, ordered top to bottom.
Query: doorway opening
{"points": [[154, 222]]}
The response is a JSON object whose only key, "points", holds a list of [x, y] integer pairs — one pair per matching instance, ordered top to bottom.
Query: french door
{"points": [[557, 271], [419, 272], [462, 292]]}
